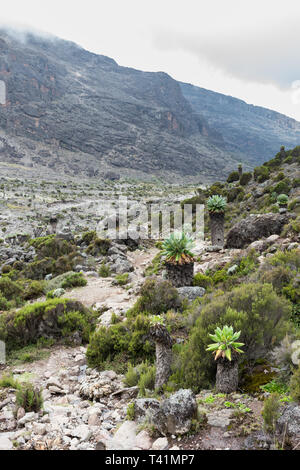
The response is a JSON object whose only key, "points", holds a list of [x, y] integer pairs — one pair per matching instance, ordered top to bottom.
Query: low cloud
{"points": [[265, 55]]}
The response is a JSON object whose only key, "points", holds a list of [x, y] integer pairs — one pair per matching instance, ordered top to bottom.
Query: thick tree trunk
{"points": [[217, 228], [180, 275], [163, 364], [227, 376]]}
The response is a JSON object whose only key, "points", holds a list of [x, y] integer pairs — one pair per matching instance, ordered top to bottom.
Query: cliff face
{"points": [[79, 112], [256, 132]]}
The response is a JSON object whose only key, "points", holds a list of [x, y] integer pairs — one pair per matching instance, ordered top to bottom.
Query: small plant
{"points": [[282, 199], [216, 204], [177, 248], [104, 270], [121, 279], [74, 280], [225, 343], [8, 381], [274, 387], [29, 398], [130, 412], [270, 412]]}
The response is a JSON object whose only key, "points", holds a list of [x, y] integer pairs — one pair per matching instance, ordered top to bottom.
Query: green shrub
{"points": [[261, 173], [233, 176], [245, 178], [283, 187], [215, 189], [235, 193], [282, 199], [88, 237], [99, 246], [52, 247], [104, 270], [278, 276], [122, 279], [74, 280], [202, 280], [10, 289], [34, 289], [156, 296], [4, 304], [254, 309], [44, 319], [127, 340], [142, 375], [132, 376], [147, 380], [8, 381], [295, 385], [29, 398], [270, 412], [130, 414]]}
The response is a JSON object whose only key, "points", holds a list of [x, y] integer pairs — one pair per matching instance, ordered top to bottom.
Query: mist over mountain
{"points": [[81, 113]]}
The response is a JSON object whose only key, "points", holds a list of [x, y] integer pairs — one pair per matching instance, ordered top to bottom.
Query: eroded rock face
{"points": [[255, 227]]}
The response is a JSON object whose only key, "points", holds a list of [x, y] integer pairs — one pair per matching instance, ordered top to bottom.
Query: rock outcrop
{"points": [[255, 227]]}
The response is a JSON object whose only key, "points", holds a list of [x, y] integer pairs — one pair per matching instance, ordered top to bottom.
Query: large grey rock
{"points": [[255, 227], [191, 292], [146, 409], [178, 410], [171, 416], [290, 420], [124, 438]]}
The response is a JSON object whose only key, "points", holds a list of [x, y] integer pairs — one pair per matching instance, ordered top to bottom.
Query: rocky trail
{"points": [[100, 292]]}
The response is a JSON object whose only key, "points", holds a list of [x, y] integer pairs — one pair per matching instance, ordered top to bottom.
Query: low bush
{"points": [[261, 173], [233, 176], [245, 178], [283, 187], [99, 246], [52, 247], [104, 270], [122, 279], [74, 280], [202, 280], [10, 289], [33, 289], [156, 296], [4, 304], [255, 309], [54, 318], [127, 340], [142, 375], [29, 398], [271, 412]]}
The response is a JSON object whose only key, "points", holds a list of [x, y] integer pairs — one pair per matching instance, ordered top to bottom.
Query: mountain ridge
{"points": [[81, 113]]}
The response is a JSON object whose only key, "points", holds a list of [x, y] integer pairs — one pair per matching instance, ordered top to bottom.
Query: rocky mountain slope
{"points": [[81, 113], [255, 132]]}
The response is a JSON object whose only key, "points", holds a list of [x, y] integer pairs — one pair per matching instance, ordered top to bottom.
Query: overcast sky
{"points": [[244, 48]]}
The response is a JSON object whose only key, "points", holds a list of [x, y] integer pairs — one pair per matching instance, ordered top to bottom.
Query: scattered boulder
{"points": [[255, 227], [191, 292], [178, 411], [171, 416], [290, 420], [124, 438], [160, 444]]}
